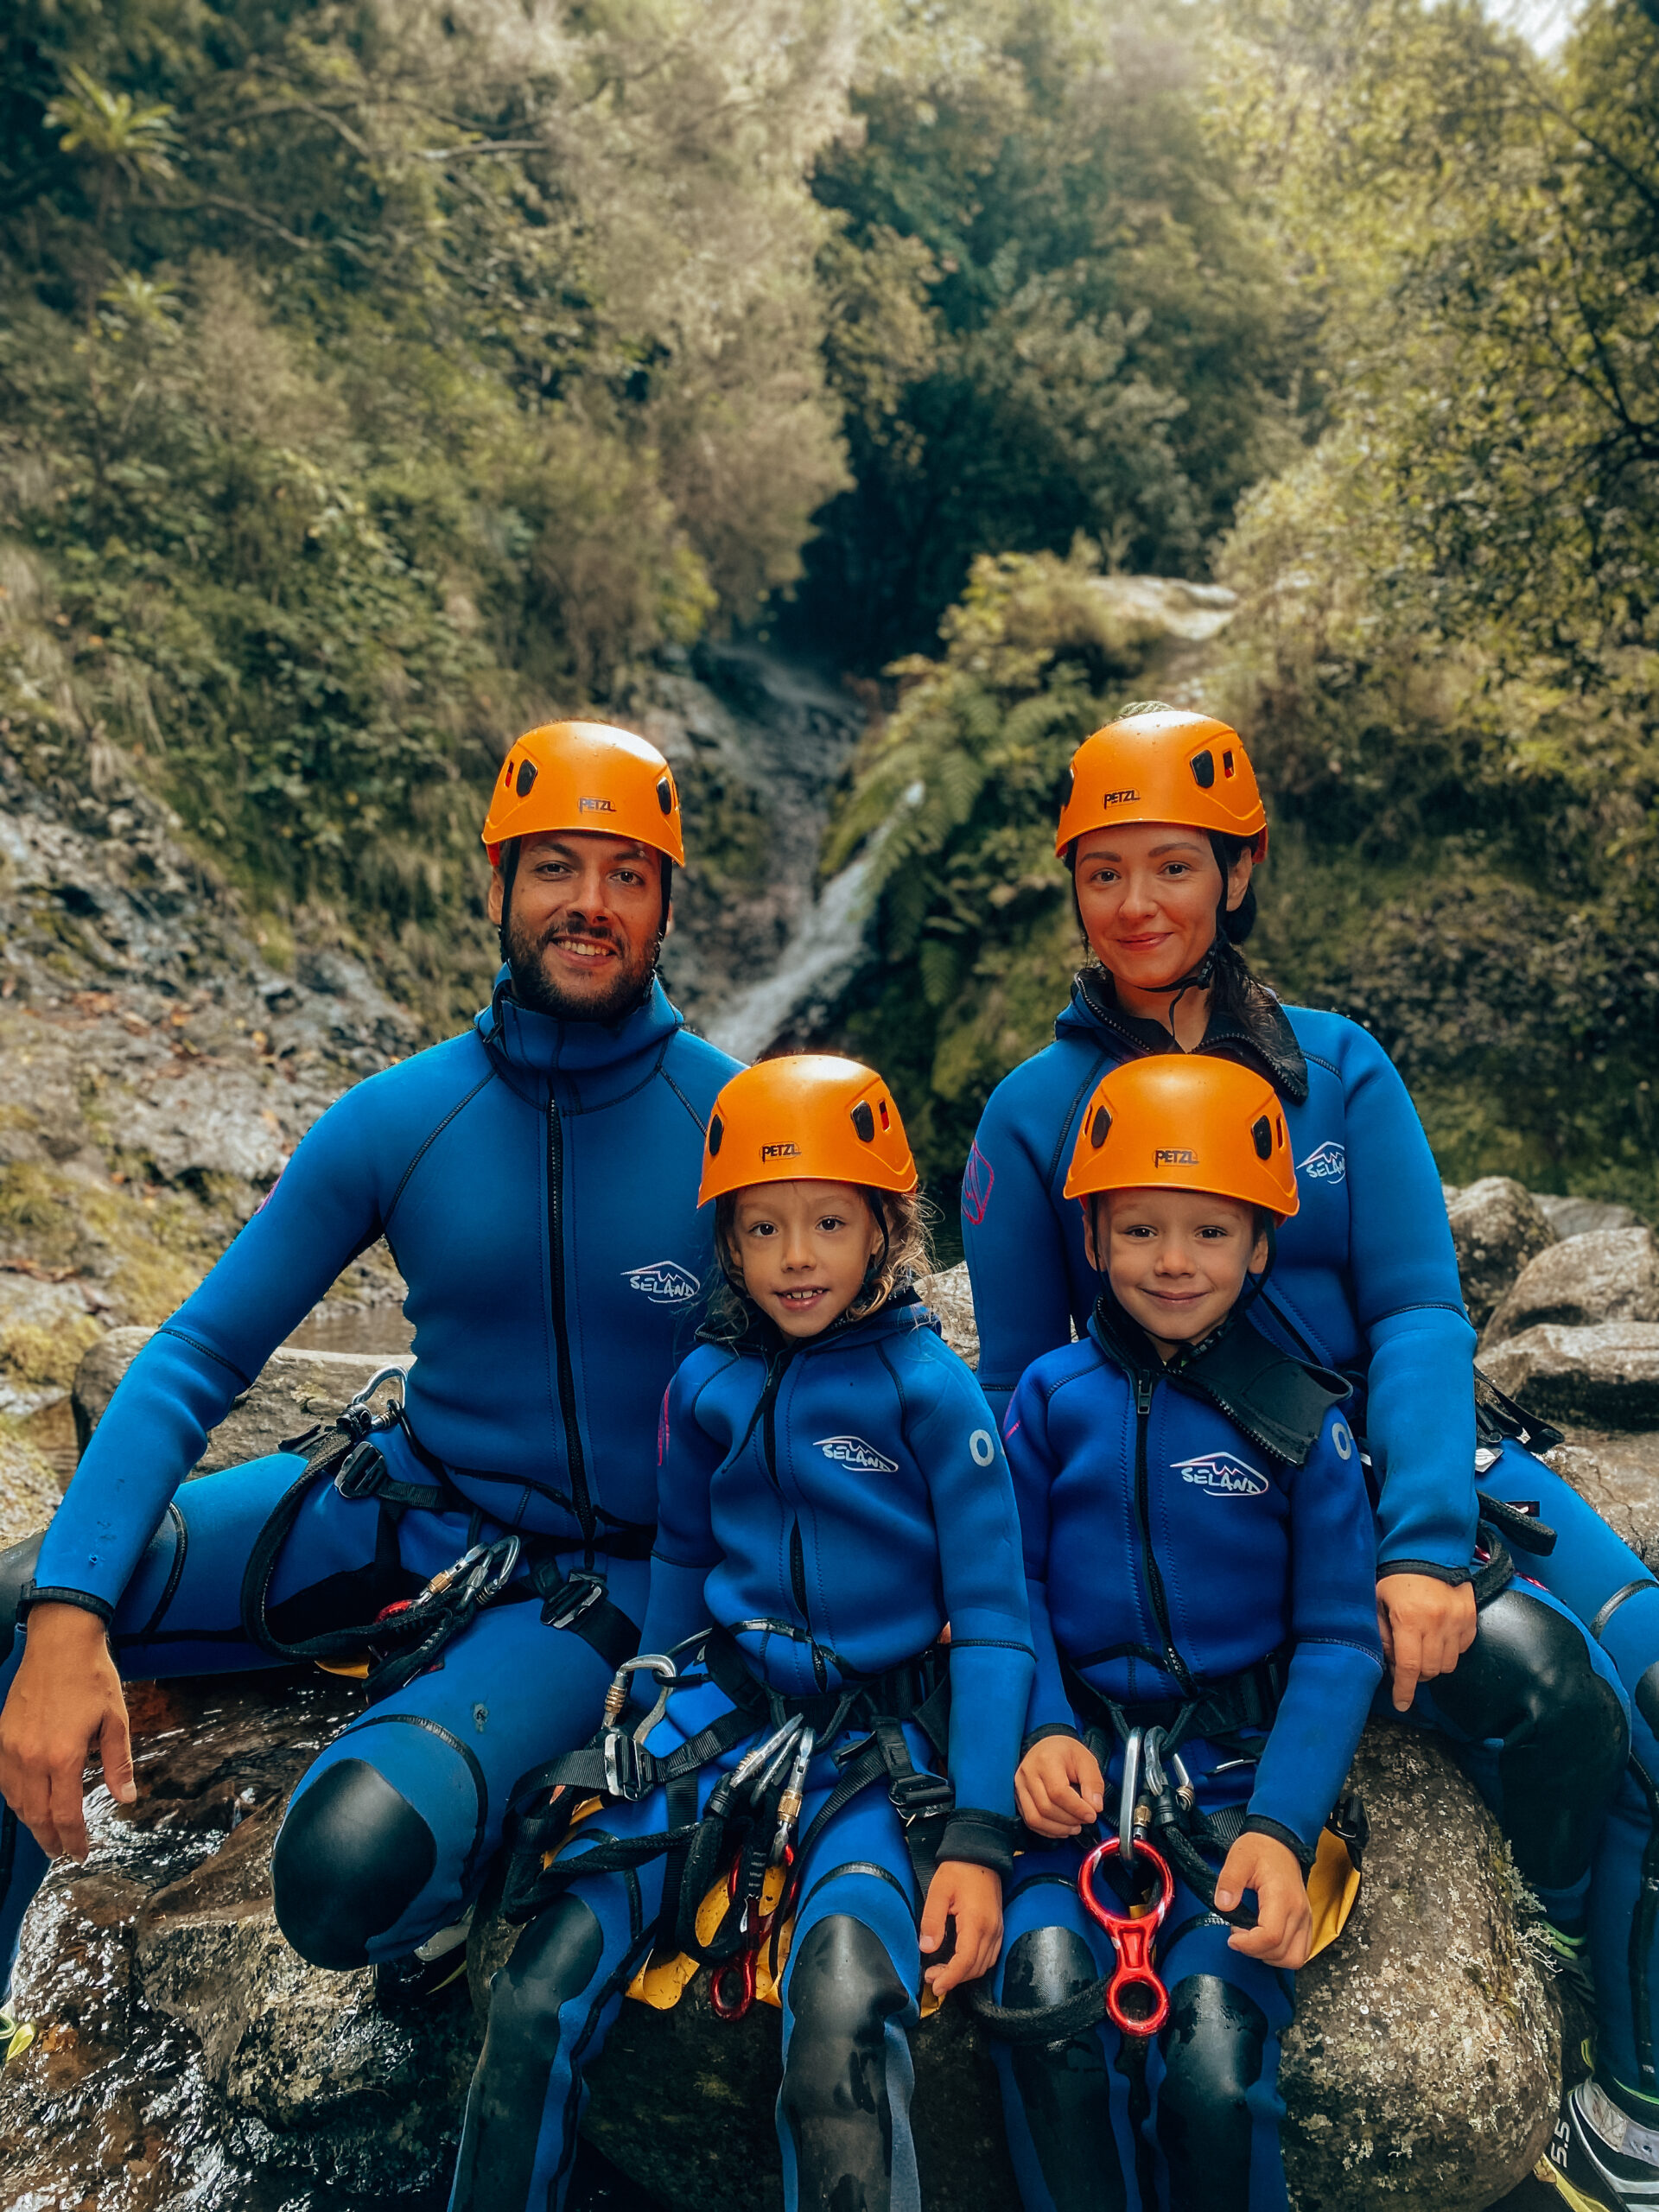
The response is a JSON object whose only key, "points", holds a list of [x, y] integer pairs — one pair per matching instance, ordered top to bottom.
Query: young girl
{"points": [[831, 1494], [1199, 1547]]}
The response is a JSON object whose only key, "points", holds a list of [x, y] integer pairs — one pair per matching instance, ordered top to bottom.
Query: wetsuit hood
{"points": [[1263, 1041], [542, 1044], [1279, 1403]]}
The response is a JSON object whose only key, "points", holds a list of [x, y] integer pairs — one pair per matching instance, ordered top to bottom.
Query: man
{"points": [[535, 1178]]}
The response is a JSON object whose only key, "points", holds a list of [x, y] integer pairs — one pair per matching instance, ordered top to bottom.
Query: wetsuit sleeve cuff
{"points": [[1455, 1576], [35, 1593], [1050, 1728], [1259, 1824], [980, 1840]]}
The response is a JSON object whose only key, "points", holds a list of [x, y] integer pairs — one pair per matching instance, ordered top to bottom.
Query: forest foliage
{"points": [[377, 375]]}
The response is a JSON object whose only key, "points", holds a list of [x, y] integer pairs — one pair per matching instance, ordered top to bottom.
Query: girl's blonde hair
{"points": [[903, 1217]]}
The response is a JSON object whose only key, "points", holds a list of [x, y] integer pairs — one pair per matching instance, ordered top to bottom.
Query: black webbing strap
{"points": [[581, 1603], [1248, 1699]]}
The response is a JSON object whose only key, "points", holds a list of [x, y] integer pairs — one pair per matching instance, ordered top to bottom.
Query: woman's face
{"points": [[1148, 892]]}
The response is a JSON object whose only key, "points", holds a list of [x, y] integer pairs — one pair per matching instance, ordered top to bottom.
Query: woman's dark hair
{"points": [[904, 1255]]}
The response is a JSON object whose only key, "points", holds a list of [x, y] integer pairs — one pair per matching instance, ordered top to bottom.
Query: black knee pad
{"points": [[17, 1572], [1536, 1672], [351, 1858], [554, 1960], [843, 1992], [1214, 2047], [1063, 2087]]}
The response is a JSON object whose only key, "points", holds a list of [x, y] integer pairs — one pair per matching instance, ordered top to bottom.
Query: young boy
{"points": [[831, 1493], [1200, 1554]]}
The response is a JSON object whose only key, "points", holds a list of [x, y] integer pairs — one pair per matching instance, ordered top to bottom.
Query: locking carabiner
{"points": [[1132, 1938]]}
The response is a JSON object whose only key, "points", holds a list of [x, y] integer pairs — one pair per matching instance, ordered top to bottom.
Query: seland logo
{"points": [[1328, 1163], [664, 1282], [854, 1452], [1222, 1476]]}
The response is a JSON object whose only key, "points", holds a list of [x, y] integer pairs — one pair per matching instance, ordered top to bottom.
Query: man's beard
{"points": [[629, 978]]}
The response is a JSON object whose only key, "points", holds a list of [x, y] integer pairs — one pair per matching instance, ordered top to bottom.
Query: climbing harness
{"points": [[408, 1635], [733, 1871], [1133, 1935]]}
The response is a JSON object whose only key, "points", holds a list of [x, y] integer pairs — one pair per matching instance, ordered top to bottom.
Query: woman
{"points": [[1161, 826]]}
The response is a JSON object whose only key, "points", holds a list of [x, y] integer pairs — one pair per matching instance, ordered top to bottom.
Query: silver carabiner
{"points": [[393, 1372], [616, 1698], [1129, 1796]]}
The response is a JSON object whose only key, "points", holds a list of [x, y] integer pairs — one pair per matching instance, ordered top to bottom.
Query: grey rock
{"points": [[1582, 1216], [1497, 1227], [1609, 1275], [950, 1296], [44, 1328], [1604, 1376], [295, 1388], [1618, 1475], [28, 1489], [1422, 2071]]}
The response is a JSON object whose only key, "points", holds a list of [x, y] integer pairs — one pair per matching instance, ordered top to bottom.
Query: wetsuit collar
{"points": [[1266, 1041], [546, 1046], [1279, 1403]]}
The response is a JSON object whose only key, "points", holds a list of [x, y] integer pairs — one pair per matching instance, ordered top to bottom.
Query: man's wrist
{"points": [[64, 1617]]}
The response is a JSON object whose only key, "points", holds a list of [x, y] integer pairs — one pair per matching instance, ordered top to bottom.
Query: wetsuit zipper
{"points": [[775, 1367], [1144, 1386], [575, 1458]]}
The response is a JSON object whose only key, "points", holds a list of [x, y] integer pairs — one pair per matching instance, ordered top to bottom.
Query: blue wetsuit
{"points": [[535, 1179], [1365, 1280], [829, 1504], [1168, 1552]]}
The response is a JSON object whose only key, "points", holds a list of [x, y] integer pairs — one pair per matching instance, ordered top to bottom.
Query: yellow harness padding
{"points": [[355, 1670], [1332, 1886], [659, 1983]]}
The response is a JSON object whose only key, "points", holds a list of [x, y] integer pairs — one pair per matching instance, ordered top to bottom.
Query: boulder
{"points": [[1582, 1216], [1497, 1226], [1607, 1275], [45, 1326], [1604, 1376], [295, 1388], [1618, 1475], [28, 1489]]}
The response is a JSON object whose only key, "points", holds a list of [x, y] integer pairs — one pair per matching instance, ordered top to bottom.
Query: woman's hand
{"points": [[1426, 1627], [66, 1702], [1059, 1787], [972, 1897], [1284, 1918]]}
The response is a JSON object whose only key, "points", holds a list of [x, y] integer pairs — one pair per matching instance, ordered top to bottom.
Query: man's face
{"points": [[583, 923]]}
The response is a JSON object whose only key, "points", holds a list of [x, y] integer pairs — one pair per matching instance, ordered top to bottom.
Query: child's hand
{"points": [[1060, 1787], [972, 1897], [1284, 1918]]}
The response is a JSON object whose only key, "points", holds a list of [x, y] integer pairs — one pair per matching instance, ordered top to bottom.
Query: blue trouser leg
{"points": [[1608, 1586], [389, 1830], [850, 1990], [1189, 2121]]}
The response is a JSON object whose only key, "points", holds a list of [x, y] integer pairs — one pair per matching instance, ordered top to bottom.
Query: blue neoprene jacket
{"points": [[536, 1180], [1365, 1271], [849, 1488], [1203, 1550]]}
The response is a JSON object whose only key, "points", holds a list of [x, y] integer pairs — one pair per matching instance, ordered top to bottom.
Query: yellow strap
{"points": [[355, 1670], [1332, 1886]]}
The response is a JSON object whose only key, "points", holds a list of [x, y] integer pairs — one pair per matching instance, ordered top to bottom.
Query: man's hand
{"points": [[1426, 1627], [65, 1703], [1059, 1787], [972, 1897], [1284, 1918]]}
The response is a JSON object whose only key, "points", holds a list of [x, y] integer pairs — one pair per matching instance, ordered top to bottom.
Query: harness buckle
{"points": [[363, 1469], [579, 1594], [915, 1796]]}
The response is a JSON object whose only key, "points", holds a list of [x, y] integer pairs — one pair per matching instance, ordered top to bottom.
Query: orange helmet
{"points": [[1160, 763], [584, 776], [808, 1116], [1184, 1121]]}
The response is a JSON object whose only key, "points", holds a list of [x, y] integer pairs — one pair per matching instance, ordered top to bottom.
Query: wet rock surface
{"points": [[1570, 1216], [1497, 1226], [1609, 1274]]}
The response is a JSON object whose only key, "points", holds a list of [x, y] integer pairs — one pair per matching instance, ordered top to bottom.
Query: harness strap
{"points": [[1248, 1699]]}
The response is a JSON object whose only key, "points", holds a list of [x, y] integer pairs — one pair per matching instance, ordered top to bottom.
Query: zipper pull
{"points": [[1144, 1387]]}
